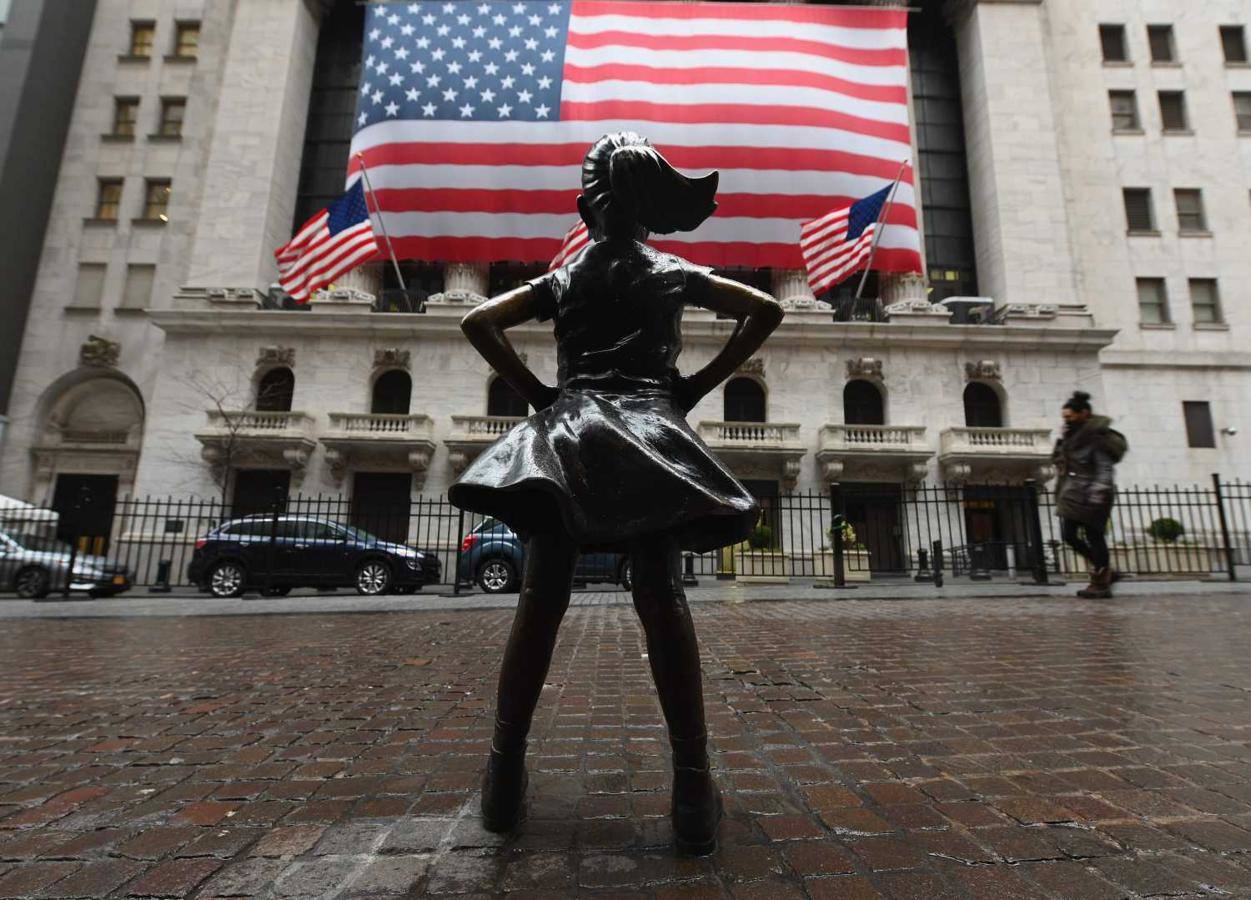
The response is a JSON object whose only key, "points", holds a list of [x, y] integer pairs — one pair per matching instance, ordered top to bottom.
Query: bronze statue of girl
{"points": [[608, 462]]}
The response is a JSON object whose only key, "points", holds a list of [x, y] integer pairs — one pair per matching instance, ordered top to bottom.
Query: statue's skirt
{"points": [[607, 469]]}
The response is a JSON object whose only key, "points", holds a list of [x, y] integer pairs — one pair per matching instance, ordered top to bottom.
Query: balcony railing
{"points": [[249, 421], [382, 425], [482, 428], [749, 435], [279, 437], [873, 437], [997, 441], [849, 450]]}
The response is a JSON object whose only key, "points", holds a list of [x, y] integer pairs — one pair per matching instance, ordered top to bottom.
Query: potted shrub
{"points": [[1164, 552], [855, 556], [761, 560]]}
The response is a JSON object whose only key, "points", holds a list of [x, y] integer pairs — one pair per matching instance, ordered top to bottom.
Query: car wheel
{"points": [[496, 576], [623, 576], [373, 578], [226, 579], [32, 583], [275, 591]]}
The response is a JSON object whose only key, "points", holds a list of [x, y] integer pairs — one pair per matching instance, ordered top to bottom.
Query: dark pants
{"points": [[1087, 541]]}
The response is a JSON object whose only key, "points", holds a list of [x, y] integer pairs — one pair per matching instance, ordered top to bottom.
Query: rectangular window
{"points": [[142, 35], [1112, 37], [1160, 39], [186, 40], [1234, 43], [1242, 110], [172, 111], [1124, 111], [1173, 111], [125, 114], [108, 199], [156, 200], [1138, 210], [1190, 218], [90, 286], [137, 294], [1152, 302], [1205, 302], [1199, 429]]}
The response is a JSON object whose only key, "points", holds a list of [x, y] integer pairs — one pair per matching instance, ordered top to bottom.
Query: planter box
{"points": [[1153, 558], [855, 565], [762, 566]]}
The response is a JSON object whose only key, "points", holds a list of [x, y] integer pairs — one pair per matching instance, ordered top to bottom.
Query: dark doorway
{"points": [[275, 390], [392, 393], [502, 400], [744, 401], [862, 404], [981, 406], [260, 491], [380, 504], [85, 506], [874, 511], [996, 520]]}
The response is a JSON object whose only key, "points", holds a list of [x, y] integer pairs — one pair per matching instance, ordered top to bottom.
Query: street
{"points": [[957, 746]]}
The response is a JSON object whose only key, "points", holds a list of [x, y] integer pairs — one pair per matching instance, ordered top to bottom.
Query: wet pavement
{"points": [[977, 747]]}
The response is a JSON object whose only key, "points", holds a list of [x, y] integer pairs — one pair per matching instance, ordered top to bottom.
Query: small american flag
{"points": [[473, 118], [575, 239], [333, 242], [840, 242]]}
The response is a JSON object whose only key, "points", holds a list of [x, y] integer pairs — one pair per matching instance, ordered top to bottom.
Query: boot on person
{"points": [[1100, 587], [697, 809]]}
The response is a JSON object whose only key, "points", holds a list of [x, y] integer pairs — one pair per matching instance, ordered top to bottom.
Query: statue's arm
{"points": [[758, 315], [485, 326]]}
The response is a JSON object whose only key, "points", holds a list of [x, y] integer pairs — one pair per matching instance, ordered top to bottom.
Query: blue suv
{"points": [[277, 553], [493, 557]]}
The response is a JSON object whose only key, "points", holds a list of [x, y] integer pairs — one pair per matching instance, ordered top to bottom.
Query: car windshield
{"points": [[39, 543]]}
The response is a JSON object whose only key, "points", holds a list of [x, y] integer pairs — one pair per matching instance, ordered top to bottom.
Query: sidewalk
{"points": [[143, 604], [910, 746]]}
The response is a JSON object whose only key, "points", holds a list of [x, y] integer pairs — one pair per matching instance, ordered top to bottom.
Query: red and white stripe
{"points": [[801, 108], [576, 238], [828, 256], [314, 258]]}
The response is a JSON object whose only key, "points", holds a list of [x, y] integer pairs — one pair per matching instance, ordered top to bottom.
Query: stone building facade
{"points": [[157, 360]]}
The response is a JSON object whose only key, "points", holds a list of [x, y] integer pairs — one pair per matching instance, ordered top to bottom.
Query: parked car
{"points": [[275, 554], [492, 557], [35, 565]]}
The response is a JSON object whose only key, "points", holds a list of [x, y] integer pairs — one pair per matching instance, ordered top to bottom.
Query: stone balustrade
{"points": [[381, 425], [473, 434], [749, 434], [757, 449], [868, 452], [995, 453]]}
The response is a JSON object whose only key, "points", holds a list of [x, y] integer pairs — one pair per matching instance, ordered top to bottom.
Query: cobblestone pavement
{"points": [[908, 749]]}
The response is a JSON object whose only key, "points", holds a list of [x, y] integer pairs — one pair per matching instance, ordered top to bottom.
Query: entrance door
{"points": [[260, 491], [85, 504], [381, 504], [873, 509], [997, 521]]}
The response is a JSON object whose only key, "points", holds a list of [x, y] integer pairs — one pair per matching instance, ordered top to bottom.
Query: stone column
{"points": [[253, 167], [1020, 224], [464, 282], [790, 288]]}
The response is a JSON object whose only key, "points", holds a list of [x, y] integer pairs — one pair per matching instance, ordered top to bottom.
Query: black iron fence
{"points": [[853, 532]]}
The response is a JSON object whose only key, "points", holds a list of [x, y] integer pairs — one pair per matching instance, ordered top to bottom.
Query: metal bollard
{"points": [[938, 563], [923, 566], [163, 569], [979, 569], [688, 572]]}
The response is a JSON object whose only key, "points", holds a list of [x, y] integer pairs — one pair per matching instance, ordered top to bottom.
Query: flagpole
{"points": [[360, 158], [877, 231]]}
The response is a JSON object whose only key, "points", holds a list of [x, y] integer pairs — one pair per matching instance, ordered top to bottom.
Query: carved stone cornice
{"points": [[98, 351], [275, 356], [392, 358], [753, 366], [864, 367], [983, 370]]}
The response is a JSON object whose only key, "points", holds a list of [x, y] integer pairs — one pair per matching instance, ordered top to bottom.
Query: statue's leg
{"points": [[545, 588], [673, 653]]}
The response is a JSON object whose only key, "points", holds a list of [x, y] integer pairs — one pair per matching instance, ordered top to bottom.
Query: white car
{"points": [[34, 566]]}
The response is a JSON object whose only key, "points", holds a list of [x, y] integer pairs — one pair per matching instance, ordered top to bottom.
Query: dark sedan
{"points": [[274, 554], [493, 557]]}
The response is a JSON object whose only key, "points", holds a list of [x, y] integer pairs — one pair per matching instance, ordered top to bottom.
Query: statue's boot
{"points": [[504, 784], [697, 808]]}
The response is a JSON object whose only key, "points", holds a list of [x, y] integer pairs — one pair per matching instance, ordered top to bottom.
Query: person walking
{"points": [[1085, 458]]}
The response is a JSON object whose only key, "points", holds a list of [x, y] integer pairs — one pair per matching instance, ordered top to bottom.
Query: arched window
{"points": [[275, 389], [392, 392], [502, 400], [744, 401], [862, 404], [982, 408]]}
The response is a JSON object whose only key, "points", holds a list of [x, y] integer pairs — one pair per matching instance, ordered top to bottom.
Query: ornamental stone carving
{"points": [[916, 309], [98, 351], [275, 356], [392, 358], [753, 366], [864, 367], [983, 370]]}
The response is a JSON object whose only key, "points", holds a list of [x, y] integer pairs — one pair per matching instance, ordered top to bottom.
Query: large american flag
{"points": [[473, 118]]}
